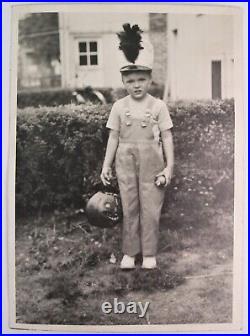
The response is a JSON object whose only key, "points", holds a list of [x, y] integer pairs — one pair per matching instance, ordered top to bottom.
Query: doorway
{"points": [[216, 79]]}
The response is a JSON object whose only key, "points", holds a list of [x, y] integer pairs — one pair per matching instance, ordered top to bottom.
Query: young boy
{"points": [[137, 123]]}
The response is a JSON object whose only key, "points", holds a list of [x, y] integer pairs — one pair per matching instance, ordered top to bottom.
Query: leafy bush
{"points": [[53, 97], [204, 133], [60, 150], [59, 154]]}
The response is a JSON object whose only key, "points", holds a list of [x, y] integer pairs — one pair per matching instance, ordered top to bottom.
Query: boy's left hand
{"points": [[168, 173]]}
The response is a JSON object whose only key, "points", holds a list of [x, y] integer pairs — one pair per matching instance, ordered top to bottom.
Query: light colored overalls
{"points": [[139, 159]]}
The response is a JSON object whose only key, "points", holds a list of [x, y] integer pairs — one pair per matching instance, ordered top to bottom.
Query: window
{"points": [[88, 53], [216, 79]]}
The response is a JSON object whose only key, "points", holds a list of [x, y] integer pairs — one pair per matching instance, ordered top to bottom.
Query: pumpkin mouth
{"points": [[111, 210], [112, 217]]}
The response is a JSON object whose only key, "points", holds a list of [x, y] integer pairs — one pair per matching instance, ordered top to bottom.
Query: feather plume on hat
{"points": [[130, 41], [136, 54]]}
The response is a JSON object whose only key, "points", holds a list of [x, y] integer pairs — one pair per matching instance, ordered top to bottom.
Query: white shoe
{"points": [[127, 262], [149, 262]]}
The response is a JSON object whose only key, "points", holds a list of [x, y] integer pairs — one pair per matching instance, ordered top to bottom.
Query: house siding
{"points": [[104, 29], [158, 37], [194, 42]]}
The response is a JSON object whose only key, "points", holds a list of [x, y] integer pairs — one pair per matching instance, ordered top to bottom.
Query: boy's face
{"points": [[137, 84]]}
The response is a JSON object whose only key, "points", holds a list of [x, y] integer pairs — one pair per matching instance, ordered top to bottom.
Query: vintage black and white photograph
{"points": [[125, 166]]}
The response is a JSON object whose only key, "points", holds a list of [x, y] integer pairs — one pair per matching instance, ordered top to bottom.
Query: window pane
{"points": [[82, 46], [93, 46], [83, 60], [93, 60]]}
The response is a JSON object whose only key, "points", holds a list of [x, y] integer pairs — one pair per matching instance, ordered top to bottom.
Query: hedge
{"points": [[55, 97], [60, 149]]}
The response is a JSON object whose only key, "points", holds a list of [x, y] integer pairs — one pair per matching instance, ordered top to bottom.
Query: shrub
{"points": [[53, 97], [204, 133], [60, 150], [59, 154]]}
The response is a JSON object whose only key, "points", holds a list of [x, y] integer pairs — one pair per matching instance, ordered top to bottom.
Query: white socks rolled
{"points": [[129, 262], [149, 263]]}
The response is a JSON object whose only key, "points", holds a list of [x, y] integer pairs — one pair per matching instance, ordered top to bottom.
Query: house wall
{"points": [[103, 28], [158, 37], [194, 42]]}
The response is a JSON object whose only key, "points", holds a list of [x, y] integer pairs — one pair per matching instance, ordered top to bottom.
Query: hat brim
{"points": [[129, 68]]}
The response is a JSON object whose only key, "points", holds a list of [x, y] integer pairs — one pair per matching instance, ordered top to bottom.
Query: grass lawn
{"points": [[64, 273]]}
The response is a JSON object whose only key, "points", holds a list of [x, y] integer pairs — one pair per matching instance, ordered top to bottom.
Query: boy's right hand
{"points": [[106, 175]]}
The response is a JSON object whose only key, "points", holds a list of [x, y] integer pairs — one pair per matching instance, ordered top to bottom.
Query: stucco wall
{"points": [[102, 28], [158, 37], [194, 41]]}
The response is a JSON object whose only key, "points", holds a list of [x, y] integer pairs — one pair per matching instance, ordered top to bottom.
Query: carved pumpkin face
{"points": [[104, 210]]}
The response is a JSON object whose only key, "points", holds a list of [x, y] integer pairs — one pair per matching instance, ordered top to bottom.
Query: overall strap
{"points": [[126, 103], [150, 103], [150, 110], [149, 114], [127, 116], [154, 119]]}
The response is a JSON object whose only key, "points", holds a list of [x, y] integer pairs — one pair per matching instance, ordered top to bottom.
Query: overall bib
{"points": [[139, 159]]}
